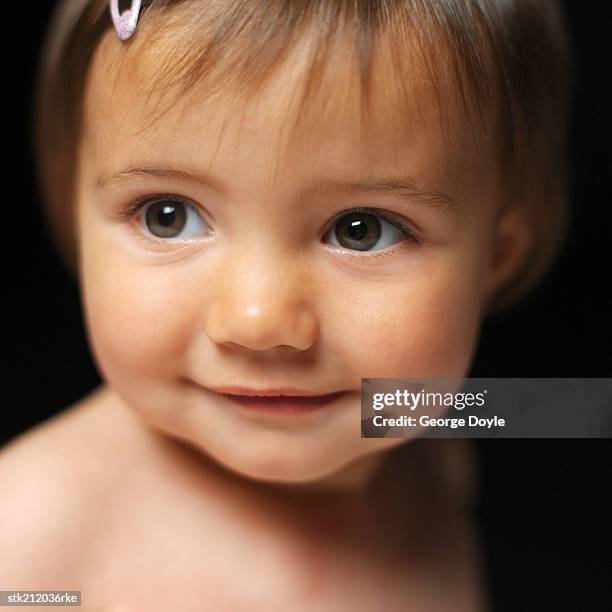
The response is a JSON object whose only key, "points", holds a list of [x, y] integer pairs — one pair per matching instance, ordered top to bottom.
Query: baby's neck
{"points": [[352, 479]]}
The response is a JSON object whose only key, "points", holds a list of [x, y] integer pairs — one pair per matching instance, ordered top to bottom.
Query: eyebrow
{"points": [[404, 188]]}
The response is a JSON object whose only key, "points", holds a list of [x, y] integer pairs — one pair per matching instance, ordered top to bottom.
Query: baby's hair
{"points": [[508, 62]]}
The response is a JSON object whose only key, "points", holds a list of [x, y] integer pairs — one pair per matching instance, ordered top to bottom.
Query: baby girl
{"points": [[264, 202]]}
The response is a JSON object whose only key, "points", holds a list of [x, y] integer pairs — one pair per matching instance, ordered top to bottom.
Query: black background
{"points": [[542, 513]]}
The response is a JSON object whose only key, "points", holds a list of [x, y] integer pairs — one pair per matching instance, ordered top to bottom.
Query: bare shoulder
{"points": [[55, 479]]}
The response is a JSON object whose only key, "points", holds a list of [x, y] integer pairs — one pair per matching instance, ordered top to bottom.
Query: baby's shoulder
{"points": [[56, 478]]}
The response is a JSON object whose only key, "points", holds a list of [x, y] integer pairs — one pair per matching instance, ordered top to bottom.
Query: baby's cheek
{"points": [[137, 321], [413, 329]]}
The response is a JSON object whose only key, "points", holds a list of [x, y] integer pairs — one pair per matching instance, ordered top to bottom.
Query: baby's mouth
{"points": [[285, 401]]}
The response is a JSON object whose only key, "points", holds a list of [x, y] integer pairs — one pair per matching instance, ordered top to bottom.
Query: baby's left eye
{"points": [[170, 217], [367, 230]]}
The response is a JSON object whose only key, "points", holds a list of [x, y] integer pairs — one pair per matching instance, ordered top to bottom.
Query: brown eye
{"points": [[169, 218], [165, 219], [362, 231]]}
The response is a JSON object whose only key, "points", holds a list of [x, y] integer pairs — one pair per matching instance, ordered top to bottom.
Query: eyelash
{"points": [[135, 206]]}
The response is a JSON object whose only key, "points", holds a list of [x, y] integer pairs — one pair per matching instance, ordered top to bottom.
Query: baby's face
{"points": [[243, 268]]}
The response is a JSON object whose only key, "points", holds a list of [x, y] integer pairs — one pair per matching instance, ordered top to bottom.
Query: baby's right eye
{"points": [[171, 217]]}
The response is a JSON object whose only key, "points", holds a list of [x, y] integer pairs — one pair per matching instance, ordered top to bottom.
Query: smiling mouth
{"points": [[285, 404]]}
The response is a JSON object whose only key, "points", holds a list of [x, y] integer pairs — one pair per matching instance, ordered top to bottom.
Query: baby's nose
{"points": [[263, 303]]}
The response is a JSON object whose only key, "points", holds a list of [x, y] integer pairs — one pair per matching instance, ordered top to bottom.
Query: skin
{"points": [[258, 296], [263, 300]]}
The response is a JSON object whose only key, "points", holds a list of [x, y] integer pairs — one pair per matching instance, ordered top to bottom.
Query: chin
{"points": [[280, 468]]}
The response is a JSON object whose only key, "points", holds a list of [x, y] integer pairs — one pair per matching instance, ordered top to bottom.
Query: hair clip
{"points": [[125, 23]]}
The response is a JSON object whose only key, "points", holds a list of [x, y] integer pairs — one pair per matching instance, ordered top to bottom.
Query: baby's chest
{"points": [[176, 553], [231, 577], [248, 588]]}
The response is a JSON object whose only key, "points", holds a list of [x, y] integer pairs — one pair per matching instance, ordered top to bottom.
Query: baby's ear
{"points": [[512, 242]]}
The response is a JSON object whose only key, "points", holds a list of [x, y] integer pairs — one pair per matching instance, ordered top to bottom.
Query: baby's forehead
{"points": [[138, 98]]}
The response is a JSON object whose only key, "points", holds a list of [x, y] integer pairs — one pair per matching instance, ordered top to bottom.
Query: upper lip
{"points": [[270, 392]]}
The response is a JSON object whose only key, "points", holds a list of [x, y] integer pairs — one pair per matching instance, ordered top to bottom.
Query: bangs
{"points": [[204, 48]]}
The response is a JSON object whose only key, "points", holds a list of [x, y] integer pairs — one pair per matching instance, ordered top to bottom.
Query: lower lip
{"points": [[285, 404]]}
